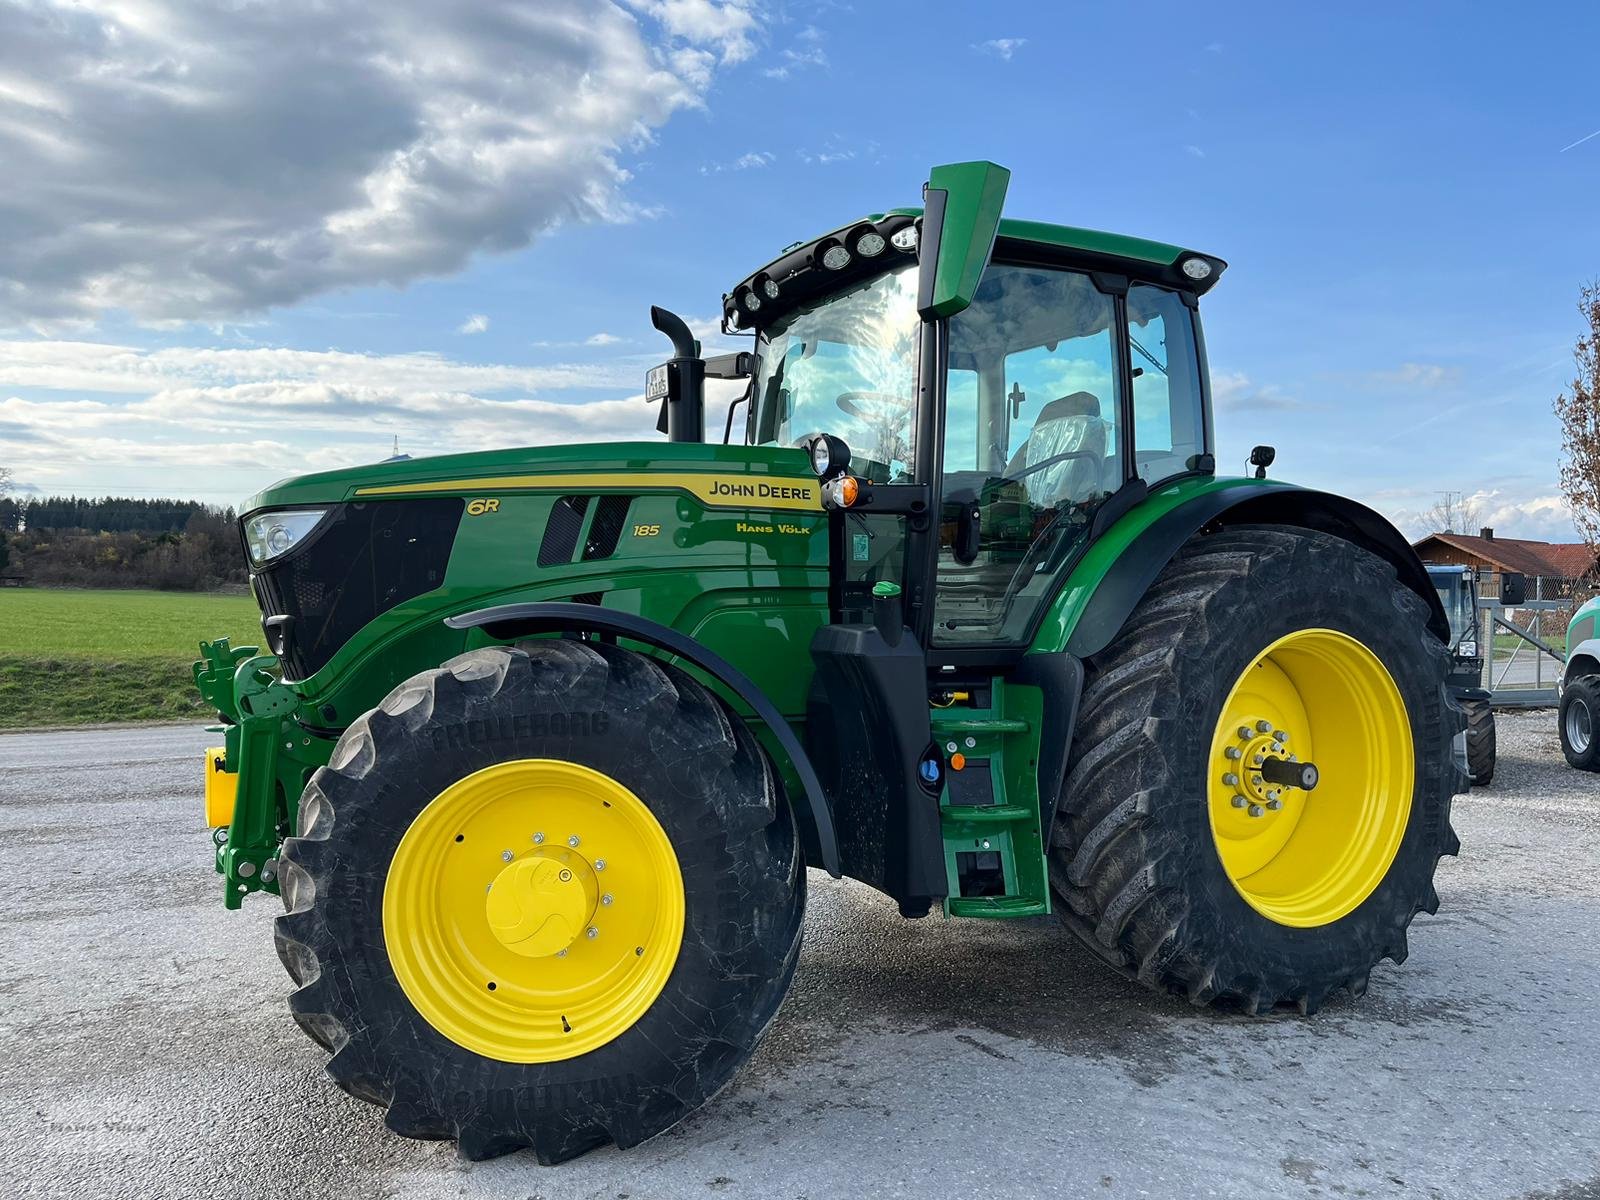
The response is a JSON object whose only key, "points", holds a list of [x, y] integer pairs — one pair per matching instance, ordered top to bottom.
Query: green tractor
{"points": [[1458, 593], [1578, 714], [547, 738]]}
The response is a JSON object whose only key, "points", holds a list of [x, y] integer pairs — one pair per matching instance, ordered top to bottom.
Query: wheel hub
{"points": [[1300, 846], [541, 903], [534, 910]]}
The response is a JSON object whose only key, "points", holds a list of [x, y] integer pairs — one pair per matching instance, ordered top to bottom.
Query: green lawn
{"points": [[78, 656]]}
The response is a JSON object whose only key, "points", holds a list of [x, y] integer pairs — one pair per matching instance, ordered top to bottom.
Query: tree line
{"points": [[114, 541]]}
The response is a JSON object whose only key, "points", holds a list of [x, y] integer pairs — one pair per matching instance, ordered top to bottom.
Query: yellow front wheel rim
{"points": [[1309, 857], [533, 910]]}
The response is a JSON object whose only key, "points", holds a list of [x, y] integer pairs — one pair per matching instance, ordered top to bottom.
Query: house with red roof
{"points": [[1563, 566]]}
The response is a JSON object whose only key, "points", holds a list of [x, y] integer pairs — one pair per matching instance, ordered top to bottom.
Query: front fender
{"points": [[1104, 590], [517, 620]]}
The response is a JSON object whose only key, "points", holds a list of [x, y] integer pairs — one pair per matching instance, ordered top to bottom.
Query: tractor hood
{"points": [[719, 476]]}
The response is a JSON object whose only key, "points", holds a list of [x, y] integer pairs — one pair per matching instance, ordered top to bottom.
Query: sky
{"points": [[244, 240]]}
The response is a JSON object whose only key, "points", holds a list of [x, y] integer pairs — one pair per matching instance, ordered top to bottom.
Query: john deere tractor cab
{"points": [[1458, 594], [545, 739]]}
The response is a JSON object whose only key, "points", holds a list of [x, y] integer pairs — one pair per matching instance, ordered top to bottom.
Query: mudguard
{"points": [[1127, 580], [516, 620]]}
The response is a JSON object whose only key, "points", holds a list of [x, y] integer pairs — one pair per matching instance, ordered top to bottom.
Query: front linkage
{"points": [[258, 772]]}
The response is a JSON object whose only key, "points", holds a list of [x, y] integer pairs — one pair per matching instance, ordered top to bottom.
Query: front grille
{"points": [[363, 560]]}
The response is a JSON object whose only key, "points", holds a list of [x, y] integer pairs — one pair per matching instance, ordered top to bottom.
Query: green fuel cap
{"points": [[883, 589]]}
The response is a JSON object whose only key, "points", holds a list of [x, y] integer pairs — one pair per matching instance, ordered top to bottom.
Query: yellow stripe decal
{"points": [[714, 491]]}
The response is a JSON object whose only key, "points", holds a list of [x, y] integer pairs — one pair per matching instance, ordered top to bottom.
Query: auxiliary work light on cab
{"points": [[829, 456], [272, 534]]}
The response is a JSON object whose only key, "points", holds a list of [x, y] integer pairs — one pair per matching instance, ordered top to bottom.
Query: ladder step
{"points": [[979, 725], [988, 813], [996, 906]]}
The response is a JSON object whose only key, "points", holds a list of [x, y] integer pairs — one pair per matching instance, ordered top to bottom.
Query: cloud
{"points": [[1002, 48], [793, 60], [1194, 151], [754, 160], [184, 162], [476, 323], [601, 339], [1419, 375], [1232, 391], [111, 410], [1513, 509]]}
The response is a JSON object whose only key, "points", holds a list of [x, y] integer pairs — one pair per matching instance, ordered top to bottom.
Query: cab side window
{"points": [[1168, 413]]}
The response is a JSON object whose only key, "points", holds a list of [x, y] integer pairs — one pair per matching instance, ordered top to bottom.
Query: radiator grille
{"points": [[610, 518], [561, 531]]}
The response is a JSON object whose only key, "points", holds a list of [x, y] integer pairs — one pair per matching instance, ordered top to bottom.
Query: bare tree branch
{"points": [[1579, 414], [1454, 512]]}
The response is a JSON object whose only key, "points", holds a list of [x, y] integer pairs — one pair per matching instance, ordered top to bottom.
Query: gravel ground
{"points": [[145, 1048]]}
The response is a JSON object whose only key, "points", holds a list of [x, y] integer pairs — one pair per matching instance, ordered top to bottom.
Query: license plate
{"points": [[655, 383]]}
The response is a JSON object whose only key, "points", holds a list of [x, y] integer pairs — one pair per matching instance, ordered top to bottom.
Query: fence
{"points": [[1525, 646]]}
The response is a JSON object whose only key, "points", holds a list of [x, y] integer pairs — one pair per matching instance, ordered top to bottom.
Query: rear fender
{"points": [[1247, 503], [507, 621]]}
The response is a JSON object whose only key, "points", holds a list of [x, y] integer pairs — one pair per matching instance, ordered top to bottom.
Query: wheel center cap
{"points": [[541, 903]]}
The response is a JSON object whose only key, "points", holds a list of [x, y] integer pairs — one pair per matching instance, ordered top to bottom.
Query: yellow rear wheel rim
{"points": [[1307, 858], [533, 910]]}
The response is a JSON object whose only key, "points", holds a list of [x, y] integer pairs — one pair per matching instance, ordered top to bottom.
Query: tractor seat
{"points": [[1067, 424]]}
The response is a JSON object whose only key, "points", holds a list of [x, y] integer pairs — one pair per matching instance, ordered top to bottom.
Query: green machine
{"points": [[1578, 712], [544, 740]]}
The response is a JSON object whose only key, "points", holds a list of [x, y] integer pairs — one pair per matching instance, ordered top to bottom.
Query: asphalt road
{"points": [[145, 1048]]}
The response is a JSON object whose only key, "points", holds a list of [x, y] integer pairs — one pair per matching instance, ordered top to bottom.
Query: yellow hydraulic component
{"points": [[222, 787], [1308, 856], [533, 910]]}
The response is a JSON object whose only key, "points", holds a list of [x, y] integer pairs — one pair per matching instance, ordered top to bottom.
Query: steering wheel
{"points": [[851, 402], [1052, 460]]}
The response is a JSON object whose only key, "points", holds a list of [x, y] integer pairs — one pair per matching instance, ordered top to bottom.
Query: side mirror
{"points": [[960, 217], [1513, 589]]}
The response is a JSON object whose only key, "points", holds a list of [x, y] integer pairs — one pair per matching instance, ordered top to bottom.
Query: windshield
{"points": [[847, 366], [1457, 600]]}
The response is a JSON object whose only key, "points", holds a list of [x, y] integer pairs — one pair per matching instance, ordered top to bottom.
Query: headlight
{"points": [[271, 534], [1468, 649]]}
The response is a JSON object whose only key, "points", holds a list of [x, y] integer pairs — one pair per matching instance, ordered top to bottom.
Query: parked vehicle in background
{"points": [[1458, 592], [1578, 714]]}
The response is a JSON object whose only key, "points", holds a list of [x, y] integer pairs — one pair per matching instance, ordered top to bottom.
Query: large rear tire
{"points": [[1480, 741], [1247, 892], [542, 897]]}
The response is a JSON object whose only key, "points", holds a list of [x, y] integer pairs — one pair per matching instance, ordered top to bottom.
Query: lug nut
{"points": [[1264, 726], [1245, 733], [1280, 736], [1233, 752], [1258, 759], [1231, 779], [1273, 794], [1238, 801], [1274, 805], [1255, 810], [538, 839], [573, 841], [506, 856], [599, 864], [606, 899], [593, 932], [561, 953]]}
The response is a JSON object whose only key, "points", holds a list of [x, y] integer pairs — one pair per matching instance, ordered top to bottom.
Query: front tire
{"points": [[1578, 719], [1480, 741], [1161, 874], [463, 946]]}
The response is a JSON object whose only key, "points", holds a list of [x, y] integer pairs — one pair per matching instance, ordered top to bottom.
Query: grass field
{"points": [[74, 656]]}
